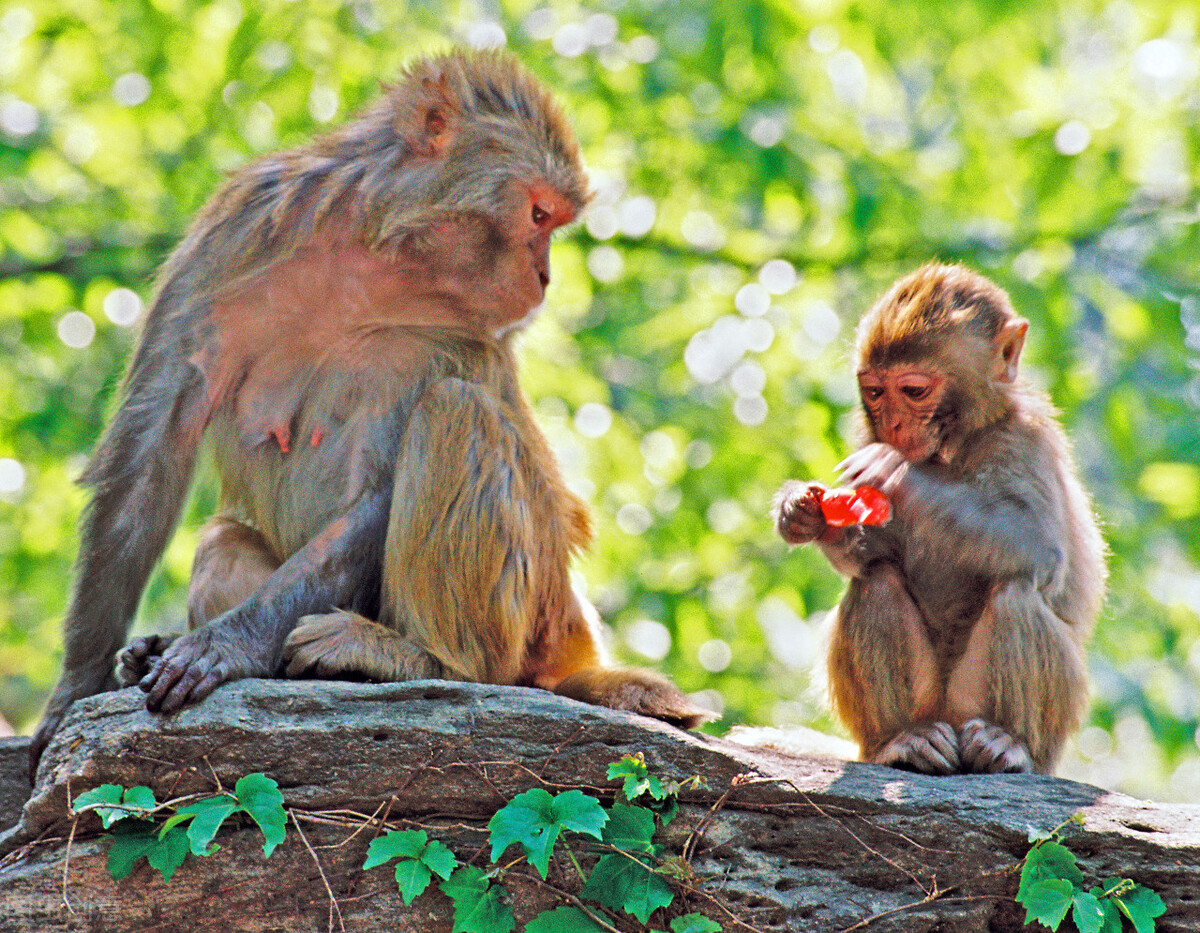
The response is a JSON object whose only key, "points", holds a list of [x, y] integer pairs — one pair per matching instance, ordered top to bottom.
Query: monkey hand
{"points": [[878, 465], [798, 515], [347, 645], [139, 656], [195, 664], [931, 748], [988, 749]]}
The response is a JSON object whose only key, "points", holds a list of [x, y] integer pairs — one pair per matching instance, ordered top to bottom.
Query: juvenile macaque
{"points": [[339, 323], [958, 645]]}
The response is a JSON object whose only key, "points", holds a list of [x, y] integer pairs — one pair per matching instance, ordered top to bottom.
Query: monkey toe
{"points": [[927, 749], [988, 749]]}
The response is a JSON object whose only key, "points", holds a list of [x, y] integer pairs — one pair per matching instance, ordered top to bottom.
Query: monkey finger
{"points": [[878, 465], [139, 657], [213, 679], [172, 680], [180, 695], [943, 740]]}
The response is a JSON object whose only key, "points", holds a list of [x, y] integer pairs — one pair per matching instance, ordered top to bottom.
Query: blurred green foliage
{"points": [[763, 170]]}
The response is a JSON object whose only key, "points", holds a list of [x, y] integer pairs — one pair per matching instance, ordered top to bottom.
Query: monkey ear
{"points": [[428, 127], [1006, 349]]}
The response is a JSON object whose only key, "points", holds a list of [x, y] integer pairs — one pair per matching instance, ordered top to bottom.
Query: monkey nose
{"points": [[544, 278]]}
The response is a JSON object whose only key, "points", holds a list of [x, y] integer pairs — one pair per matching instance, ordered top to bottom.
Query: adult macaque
{"points": [[339, 322], [958, 646]]}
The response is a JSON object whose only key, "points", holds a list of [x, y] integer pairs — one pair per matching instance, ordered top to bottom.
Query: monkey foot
{"points": [[345, 645], [139, 656], [635, 691], [931, 748], [987, 749]]}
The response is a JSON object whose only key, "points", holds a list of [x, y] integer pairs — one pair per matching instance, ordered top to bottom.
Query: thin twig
{"points": [[562, 745], [693, 839], [66, 865], [927, 891], [938, 896], [333, 903], [598, 919]]}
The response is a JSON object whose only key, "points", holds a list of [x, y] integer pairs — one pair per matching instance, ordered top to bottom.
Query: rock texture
{"points": [[776, 843]]}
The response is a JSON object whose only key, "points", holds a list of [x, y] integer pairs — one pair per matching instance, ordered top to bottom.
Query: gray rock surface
{"points": [[776, 842]]}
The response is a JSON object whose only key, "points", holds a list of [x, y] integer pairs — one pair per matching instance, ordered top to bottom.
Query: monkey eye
{"points": [[539, 215], [872, 393], [916, 393]]}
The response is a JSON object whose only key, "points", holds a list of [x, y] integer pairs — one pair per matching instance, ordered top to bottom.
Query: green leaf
{"points": [[637, 777], [259, 796], [141, 797], [666, 809], [580, 813], [207, 816], [535, 819], [631, 829], [134, 839], [130, 842], [395, 843], [170, 852], [419, 859], [440, 860], [1048, 861], [412, 878], [621, 883], [1048, 901], [478, 907], [1141, 907], [1088, 913], [1112, 916], [562, 920], [695, 923]]}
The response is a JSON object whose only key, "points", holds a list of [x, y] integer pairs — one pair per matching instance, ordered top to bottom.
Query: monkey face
{"points": [[521, 238], [900, 402]]}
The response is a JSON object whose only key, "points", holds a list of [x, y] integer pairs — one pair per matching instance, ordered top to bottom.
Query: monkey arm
{"points": [[1001, 520], [997, 525], [850, 551], [248, 641]]}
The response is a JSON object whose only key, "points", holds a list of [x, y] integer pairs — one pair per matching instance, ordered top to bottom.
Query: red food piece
{"points": [[863, 506], [879, 510]]}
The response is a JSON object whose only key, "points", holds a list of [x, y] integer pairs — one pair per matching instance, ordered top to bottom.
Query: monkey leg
{"points": [[233, 561], [462, 563], [247, 641], [884, 676], [1020, 687]]}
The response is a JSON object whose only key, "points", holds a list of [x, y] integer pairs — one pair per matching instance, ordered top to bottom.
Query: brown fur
{"points": [[338, 321], [958, 645]]}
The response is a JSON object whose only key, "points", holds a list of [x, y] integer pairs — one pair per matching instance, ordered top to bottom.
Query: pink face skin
{"points": [[548, 210], [900, 400]]}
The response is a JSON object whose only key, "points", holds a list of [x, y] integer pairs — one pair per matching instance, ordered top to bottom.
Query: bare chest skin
{"points": [[312, 367]]}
